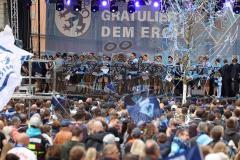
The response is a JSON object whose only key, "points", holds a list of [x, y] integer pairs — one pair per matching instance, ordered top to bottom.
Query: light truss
{"points": [[14, 17]]}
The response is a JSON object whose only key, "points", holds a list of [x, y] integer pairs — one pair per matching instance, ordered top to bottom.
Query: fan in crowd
{"points": [[97, 131]]}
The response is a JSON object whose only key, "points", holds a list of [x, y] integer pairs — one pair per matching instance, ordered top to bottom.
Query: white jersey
{"points": [[23, 153]]}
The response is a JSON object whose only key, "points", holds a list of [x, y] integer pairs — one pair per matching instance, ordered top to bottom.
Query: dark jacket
{"points": [[225, 70], [235, 70], [195, 120], [232, 134], [95, 141], [165, 148], [65, 150]]}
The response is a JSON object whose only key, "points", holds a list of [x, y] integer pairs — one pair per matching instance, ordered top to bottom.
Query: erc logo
{"points": [[72, 23]]}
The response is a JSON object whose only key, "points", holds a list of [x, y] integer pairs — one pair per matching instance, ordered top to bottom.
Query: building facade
{"points": [[3, 14]]}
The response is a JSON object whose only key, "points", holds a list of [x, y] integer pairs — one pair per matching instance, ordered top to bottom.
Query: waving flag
{"points": [[11, 58], [110, 87], [58, 102], [143, 108], [194, 153]]}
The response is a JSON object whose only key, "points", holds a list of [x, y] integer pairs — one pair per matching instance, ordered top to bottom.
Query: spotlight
{"points": [[68, 2], [104, 3], [137, 4], [156, 4], [59, 5], [94, 5], [78, 6], [113, 6], [131, 6], [236, 7]]}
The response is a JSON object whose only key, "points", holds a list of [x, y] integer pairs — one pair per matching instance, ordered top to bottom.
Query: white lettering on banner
{"points": [[105, 15], [115, 16], [125, 16], [142, 16], [149, 16], [157, 16], [132, 17], [105, 31], [116, 31], [128, 32], [145, 32], [155, 32], [166, 33]]}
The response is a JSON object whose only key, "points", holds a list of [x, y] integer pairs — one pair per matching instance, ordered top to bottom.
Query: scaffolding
{"points": [[14, 17], [27, 89]]}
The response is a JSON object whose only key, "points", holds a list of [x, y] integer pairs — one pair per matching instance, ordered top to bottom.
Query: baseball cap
{"points": [[35, 121], [65, 123], [136, 132], [110, 139]]}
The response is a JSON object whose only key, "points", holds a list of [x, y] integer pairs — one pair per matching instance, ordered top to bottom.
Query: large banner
{"points": [[145, 31], [105, 32]]}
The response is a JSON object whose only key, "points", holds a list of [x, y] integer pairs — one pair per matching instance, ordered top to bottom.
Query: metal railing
{"points": [[28, 85]]}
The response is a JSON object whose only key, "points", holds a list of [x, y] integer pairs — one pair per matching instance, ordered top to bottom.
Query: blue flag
{"points": [[10, 65], [111, 87], [58, 102], [144, 108], [193, 154]]}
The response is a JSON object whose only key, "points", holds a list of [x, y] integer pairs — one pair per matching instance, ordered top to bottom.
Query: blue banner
{"points": [[146, 31], [143, 108], [194, 153]]}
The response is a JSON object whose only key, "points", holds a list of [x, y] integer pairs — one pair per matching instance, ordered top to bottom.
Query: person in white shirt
{"points": [[133, 58], [58, 63], [218, 82], [21, 149]]}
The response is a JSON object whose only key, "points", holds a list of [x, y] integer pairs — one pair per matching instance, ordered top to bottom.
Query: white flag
{"points": [[10, 65]]}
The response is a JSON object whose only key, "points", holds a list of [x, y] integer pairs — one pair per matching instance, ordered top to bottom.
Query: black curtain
{"points": [[24, 23]]}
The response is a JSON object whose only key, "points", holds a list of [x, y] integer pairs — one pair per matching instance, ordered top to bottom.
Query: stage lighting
{"points": [[68, 2], [104, 3], [139, 3], [155, 4], [59, 5], [94, 5], [78, 6], [113, 6], [131, 6], [236, 7]]}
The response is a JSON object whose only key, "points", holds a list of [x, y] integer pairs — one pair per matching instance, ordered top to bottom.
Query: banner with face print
{"points": [[147, 30]]}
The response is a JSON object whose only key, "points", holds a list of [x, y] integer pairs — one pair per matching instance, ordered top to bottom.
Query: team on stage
{"points": [[128, 74]]}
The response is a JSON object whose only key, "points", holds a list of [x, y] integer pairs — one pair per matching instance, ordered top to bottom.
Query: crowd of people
{"points": [[91, 74], [97, 130]]}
